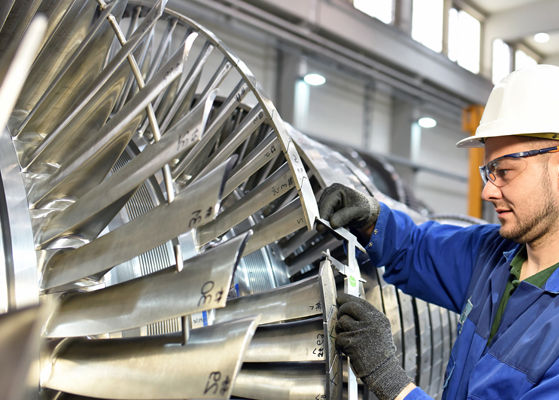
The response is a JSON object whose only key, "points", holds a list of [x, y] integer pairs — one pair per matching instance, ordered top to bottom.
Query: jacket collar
{"points": [[552, 284]]}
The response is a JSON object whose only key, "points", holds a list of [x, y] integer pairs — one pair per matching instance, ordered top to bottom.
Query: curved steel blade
{"points": [[191, 208], [92, 212], [201, 285], [295, 301], [292, 341], [152, 367], [304, 381]]}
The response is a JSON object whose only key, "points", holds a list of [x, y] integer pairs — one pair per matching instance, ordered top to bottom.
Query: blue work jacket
{"points": [[466, 270]]}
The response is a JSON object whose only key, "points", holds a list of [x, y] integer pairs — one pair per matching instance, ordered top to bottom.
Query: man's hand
{"points": [[347, 207], [364, 334]]}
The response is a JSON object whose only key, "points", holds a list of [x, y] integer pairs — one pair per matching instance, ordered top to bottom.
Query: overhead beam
{"points": [[514, 24]]}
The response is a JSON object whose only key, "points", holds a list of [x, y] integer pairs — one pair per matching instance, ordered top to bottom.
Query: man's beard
{"points": [[540, 223]]}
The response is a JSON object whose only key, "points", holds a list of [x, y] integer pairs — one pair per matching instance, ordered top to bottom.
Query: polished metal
{"points": [[5, 8], [21, 13], [56, 51], [15, 64], [79, 77], [70, 84], [186, 91], [250, 124], [57, 149], [266, 150], [199, 154], [96, 155], [273, 187], [198, 206], [91, 214], [278, 225], [312, 252], [20, 263], [202, 284], [352, 285], [294, 301], [392, 311], [288, 342], [19, 350], [424, 350], [152, 367], [334, 376], [297, 381]]}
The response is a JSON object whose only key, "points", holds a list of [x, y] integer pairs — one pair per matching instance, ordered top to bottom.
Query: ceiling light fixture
{"points": [[541, 37], [314, 79], [426, 122]]}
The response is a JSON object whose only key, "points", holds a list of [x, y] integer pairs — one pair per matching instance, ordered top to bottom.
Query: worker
{"points": [[501, 278]]}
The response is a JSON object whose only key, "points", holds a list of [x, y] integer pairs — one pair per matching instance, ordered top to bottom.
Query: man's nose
{"points": [[490, 192]]}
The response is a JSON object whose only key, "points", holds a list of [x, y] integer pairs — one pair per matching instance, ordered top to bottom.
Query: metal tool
{"points": [[352, 283]]}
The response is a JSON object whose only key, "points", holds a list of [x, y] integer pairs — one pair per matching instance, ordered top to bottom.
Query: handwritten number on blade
{"points": [[206, 289], [213, 381]]}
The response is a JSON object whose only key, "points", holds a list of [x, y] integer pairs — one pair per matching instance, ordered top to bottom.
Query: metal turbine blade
{"points": [[56, 51], [15, 66], [78, 71], [203, 149], [266, 150], [97, 155], [277, 184], [191, 208], [91, 213], [276, 226], [202, 285], [294, 301], [293, 341], [152, 367], [286, 381]]}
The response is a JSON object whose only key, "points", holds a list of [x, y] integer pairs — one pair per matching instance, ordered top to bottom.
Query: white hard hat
{"points": [[526, 102]]}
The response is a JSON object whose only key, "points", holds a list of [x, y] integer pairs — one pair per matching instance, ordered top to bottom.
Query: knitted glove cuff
{"points": [[388, 380]]}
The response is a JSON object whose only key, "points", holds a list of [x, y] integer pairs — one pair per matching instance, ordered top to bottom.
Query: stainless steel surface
{"points": [[56, 50], [15, 64], [71, 83], [265, 152], [93, 159], [274, 186], [199, 204], [91, 213], [276, 226], [201, 285], [294, 301], [408, 334], [291, 341], [425, 346], [19, 351], [154, 367], [334, 376], [281, 382]]}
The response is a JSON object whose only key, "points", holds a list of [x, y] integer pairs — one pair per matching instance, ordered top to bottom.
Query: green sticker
{"points": [[352, 281]]}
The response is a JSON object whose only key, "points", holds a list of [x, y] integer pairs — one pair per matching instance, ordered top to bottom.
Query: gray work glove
{"points": [[343, 206], [364, 334]]}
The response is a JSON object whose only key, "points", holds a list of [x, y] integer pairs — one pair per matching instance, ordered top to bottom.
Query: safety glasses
{"points": [[502, 170]]}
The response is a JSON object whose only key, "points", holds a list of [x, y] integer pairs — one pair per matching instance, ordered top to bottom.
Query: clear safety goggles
{"points": [[502, 170]]}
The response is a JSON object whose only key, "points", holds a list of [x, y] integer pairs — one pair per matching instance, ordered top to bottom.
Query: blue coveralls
{"points": [[466, 270]]}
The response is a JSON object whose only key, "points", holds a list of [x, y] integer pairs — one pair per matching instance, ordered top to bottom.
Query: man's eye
{"points": [[500, 173]]}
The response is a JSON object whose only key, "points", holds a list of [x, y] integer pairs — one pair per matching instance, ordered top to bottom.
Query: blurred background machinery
{"points": [[156, 205]]}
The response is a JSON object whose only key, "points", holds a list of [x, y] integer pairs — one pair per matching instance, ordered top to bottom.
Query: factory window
{"points": [[380, 9], [427, 23], [464, 38], [501, 60], [523, 60]]}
